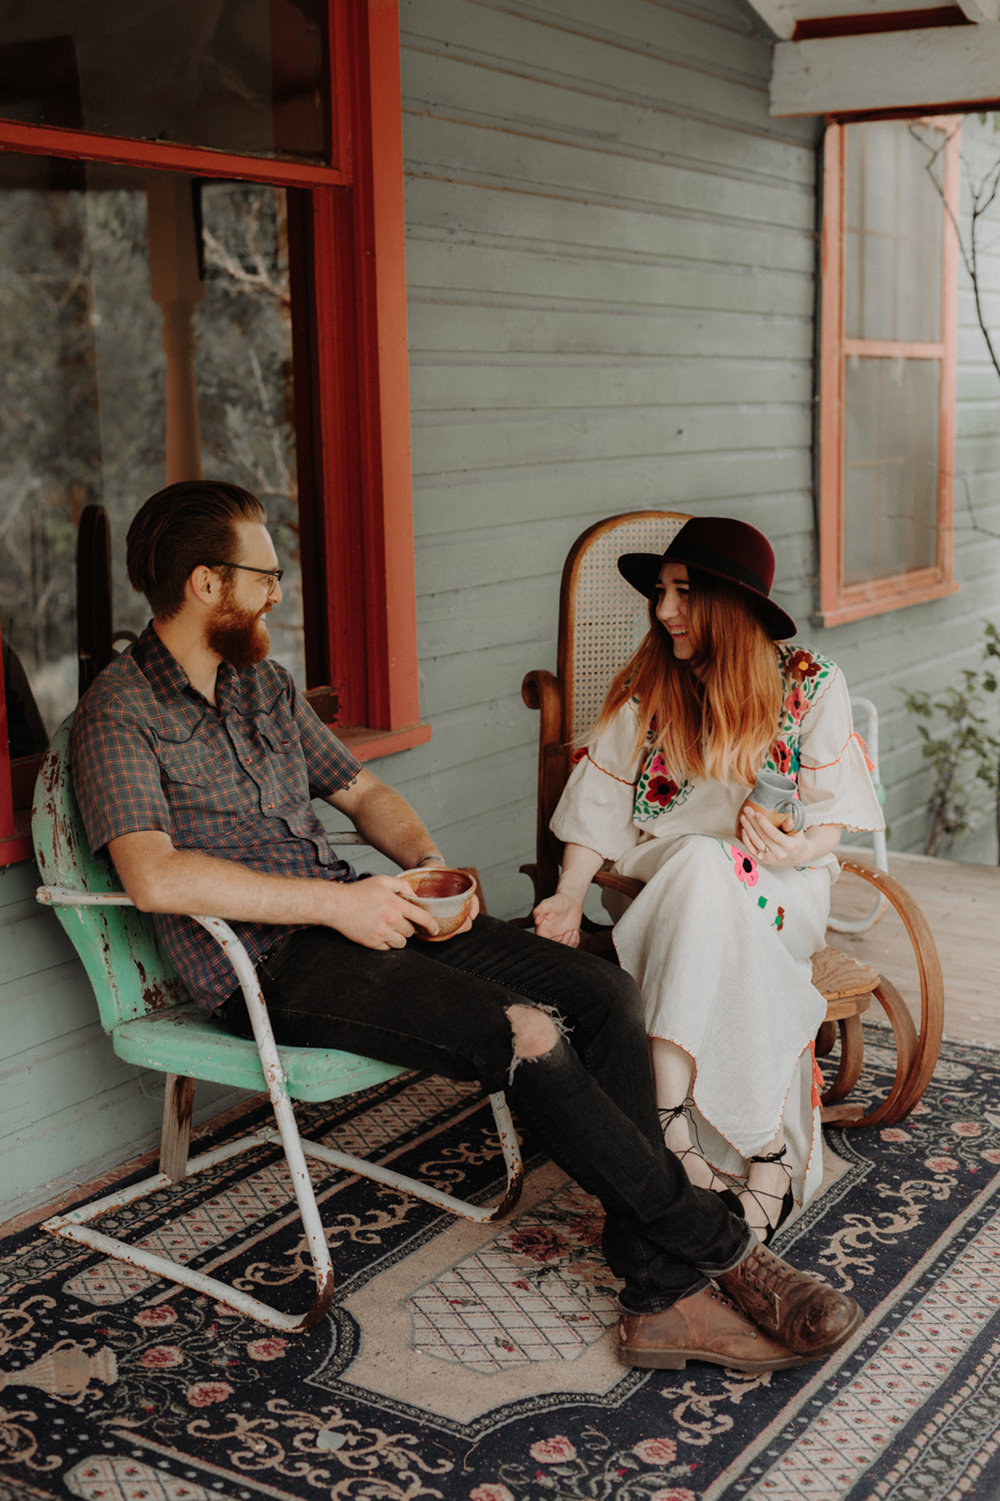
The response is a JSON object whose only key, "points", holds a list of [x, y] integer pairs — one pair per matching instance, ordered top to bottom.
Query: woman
{"points": [[721, 937]]}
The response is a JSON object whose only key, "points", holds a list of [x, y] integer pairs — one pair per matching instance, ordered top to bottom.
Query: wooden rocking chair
{"points": [[601, 621], [153, 1024]]}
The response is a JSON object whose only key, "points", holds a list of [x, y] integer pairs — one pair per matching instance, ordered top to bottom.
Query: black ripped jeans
{"points": [[442, 1007]]}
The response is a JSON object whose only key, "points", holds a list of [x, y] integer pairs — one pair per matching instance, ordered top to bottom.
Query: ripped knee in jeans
{"points": [[535, 1029]]}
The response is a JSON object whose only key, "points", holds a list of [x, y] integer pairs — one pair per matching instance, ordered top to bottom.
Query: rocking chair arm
{"points": [[627, 885], [929, 973]]}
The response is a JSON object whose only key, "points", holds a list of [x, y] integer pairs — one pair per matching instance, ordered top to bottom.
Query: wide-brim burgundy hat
{"points": [[726, 549]]}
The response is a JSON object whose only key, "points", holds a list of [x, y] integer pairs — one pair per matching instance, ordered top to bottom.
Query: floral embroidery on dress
{"points": [[804, 675], [657, 791], [744, 865]]}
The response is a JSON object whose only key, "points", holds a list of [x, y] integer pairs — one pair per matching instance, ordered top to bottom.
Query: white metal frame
{"points": [[75, 1225]]}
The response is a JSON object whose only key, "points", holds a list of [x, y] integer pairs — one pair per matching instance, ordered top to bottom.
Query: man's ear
{"points": [[205, 584]]}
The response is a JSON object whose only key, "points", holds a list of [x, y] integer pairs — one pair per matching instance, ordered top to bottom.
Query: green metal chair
{"points": [[153, 1024]]}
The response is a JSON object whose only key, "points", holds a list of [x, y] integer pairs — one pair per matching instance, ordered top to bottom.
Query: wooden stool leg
{"points": [[852, 1051]]}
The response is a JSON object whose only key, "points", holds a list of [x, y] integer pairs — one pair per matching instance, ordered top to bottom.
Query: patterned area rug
{"points": [[475, 1363]]}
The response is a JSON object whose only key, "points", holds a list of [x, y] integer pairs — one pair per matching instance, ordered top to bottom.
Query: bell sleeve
{"points": [[835, 782], [595, 809]]}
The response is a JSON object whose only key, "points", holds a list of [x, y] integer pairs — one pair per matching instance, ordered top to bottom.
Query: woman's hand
{"points": [[771, 845], [786, 845], [558, 917]]}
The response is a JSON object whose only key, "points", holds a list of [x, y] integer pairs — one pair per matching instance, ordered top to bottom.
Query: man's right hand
{"points": [[376, 912]]}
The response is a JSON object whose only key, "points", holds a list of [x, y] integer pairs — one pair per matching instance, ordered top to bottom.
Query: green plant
{"points": [[960, 730]]}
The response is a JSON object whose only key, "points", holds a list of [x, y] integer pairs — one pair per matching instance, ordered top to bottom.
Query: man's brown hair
{"points": [[180, 527]]}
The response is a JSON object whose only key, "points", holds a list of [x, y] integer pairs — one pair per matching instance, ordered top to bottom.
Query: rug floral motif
{"points": [[476, 1363]]}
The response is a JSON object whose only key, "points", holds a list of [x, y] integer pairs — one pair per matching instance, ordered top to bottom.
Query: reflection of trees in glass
{"points": [[82, 371]]}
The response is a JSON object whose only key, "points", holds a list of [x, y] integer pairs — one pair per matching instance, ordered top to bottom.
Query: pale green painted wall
{"points": [[611, 262]]}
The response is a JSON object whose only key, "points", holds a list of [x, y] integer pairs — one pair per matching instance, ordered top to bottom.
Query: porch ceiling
{"points": [[864, 57]]}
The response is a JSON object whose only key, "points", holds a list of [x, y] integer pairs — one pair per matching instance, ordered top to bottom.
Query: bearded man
{"points": [[195, 761]]}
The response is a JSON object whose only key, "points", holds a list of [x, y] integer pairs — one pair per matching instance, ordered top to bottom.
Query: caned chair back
{"points": [[602, 618]]}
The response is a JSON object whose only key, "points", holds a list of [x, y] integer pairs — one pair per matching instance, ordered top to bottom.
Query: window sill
{"points": [[879, 598], [367, 744]]}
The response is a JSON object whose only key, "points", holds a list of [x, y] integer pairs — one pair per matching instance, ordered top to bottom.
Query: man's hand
{"points": [[378, 913]]}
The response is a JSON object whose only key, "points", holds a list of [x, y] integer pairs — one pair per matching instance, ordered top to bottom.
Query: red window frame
{"points": [[347, 229], [841, 602]]}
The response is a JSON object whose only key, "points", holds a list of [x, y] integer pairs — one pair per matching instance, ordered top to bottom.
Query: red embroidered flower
{"points": [[803, 664], [579, 755], [781, 756], [661, 790], [744, 865], [779, 921], [539, 1242], [553, 1451], [656, 1451]]}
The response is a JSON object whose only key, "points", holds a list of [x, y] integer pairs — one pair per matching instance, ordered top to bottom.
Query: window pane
{"points": [[247, 76], [893, 228], [86, 373], [890, 467]]}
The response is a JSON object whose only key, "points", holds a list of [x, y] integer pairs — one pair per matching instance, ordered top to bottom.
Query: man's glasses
{"points": [[273, 575]]}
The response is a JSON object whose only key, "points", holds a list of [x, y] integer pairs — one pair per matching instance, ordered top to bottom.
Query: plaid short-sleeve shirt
{"points": [[236, 781]]}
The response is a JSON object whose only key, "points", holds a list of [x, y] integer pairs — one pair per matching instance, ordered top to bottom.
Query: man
{"points": [[195, 761]]}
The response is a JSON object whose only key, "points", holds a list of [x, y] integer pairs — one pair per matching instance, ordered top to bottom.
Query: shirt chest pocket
{"points": [[199, 787]]}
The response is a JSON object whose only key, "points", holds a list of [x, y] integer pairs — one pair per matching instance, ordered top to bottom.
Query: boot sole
{"points": [[675, 1360]]}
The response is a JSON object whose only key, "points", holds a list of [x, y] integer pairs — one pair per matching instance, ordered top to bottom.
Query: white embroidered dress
{"points": [[721, 946]]}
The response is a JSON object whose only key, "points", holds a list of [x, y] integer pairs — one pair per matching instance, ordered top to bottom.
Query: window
{"points": [[201, 271], [887, 366]]}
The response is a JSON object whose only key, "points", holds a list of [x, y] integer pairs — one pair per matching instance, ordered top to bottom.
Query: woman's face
{"points": [[670, 598]]}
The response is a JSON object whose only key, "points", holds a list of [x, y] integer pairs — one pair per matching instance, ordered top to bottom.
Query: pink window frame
{"points": [[841, 602]]}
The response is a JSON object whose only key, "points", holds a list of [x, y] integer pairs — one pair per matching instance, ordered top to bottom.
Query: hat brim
{"points": [[642, 570]]}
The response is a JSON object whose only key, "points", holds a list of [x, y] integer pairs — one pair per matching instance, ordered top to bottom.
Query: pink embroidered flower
{"points": [[796, 703], [661, 790], [744, 865], [967, 1128], [941, 1164], [539, 1242], [155, 1318], [267, 1349], [161, 1357], [204, 1393], [553, 1451], [656, 1451], [491, 1491]]}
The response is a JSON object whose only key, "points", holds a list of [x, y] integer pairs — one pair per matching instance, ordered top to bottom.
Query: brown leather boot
{"points": [[803, 1313], [702, 1326]]}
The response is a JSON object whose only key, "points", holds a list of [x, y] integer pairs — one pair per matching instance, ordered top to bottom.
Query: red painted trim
{"points": [[867, 25], [82, 145], [383, 371], [367, 744]]}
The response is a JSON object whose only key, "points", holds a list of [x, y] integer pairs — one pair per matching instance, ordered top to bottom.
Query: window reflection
{"points": [[99, 365]]}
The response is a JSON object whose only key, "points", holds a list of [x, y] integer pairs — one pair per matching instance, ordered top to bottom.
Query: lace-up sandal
{"points": [[692, 1150], [785, 1201]]}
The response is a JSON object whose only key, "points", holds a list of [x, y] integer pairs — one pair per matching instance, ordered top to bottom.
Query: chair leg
{"points": [[175, 1137]]}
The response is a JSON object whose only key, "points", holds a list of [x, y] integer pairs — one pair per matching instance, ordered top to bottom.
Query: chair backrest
{"points": [[602, 618], [130, 973]]}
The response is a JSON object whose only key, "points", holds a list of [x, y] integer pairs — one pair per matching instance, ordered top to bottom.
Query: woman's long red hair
{"points": [[717, 714]]}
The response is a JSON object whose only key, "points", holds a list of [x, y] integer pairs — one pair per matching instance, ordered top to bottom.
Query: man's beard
{"points": [[238, 636]]}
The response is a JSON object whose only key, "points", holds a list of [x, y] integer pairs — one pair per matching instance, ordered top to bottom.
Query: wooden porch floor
{"points": [[961, 903]]}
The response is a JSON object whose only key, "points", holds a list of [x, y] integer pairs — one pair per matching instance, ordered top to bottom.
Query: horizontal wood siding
{"points": [[611, 264]]}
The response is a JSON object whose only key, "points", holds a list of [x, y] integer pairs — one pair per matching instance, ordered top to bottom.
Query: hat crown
{"points": [[727, 548]]}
